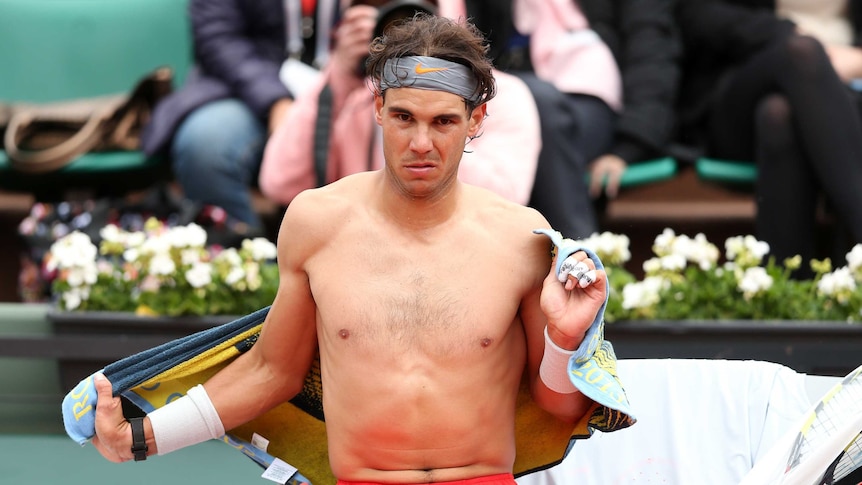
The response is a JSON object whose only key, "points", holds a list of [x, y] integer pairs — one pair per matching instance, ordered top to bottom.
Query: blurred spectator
{"points": [[604, 75], [767, 81], [216, 125], [331, 131]]}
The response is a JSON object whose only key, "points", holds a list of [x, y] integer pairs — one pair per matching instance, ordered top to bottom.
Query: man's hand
{"points": [[352, 39], [606, 170], [571, 306], [113, 433]]}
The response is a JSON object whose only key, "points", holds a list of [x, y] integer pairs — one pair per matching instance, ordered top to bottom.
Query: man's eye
{"points": [[403, 117], [445, 121]]}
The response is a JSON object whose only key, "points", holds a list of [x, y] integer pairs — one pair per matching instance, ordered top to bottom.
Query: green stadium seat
{"points": [[58, 50], [647, 171], [726, 171]]}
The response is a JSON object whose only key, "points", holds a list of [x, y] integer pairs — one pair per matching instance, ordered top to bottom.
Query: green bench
{"points": [[81, 48], [647, 171], [726, 171]]}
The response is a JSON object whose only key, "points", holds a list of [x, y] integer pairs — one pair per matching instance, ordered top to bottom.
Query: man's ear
{"points": [[378, 109], [477, 117]]}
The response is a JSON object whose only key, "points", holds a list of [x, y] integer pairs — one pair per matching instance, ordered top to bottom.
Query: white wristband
{"points": [[554, 370], [189, 420]]}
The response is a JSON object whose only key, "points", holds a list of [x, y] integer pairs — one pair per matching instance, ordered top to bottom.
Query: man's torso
{"points": [[422, 349]]}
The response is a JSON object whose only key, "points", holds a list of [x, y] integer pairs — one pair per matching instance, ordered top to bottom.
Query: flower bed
{"points": [[166, 271], [689, 279]]}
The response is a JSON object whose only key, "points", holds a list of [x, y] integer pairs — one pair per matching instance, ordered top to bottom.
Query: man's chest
{"points": [[415, 300]]}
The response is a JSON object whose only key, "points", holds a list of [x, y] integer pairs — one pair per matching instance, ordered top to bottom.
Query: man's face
{"points": [[424, 134]]}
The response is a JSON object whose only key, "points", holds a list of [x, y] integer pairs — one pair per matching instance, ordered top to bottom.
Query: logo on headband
{"points": [[420, 69]]}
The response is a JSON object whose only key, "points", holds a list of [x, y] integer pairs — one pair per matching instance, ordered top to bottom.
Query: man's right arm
{"points": [[274, 369], [267, 375]]}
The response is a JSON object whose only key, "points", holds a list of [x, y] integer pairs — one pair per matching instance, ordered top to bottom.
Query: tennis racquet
{"points": [[825, 447]]}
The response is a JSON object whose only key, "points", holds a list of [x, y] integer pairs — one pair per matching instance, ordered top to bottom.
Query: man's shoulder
{"points": [[333, 197], [320, 206], [509, 215], [508, 228]]}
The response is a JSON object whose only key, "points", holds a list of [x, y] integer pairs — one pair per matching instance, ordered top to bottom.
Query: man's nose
{"points": [[421, 141]]}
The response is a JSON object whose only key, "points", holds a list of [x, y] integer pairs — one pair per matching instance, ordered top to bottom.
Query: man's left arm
{"points": [[556, 317]]}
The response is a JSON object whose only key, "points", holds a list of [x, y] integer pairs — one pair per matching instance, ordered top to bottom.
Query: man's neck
{"points": [[420, 213]]}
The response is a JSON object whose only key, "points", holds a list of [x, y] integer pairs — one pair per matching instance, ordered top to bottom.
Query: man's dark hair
{"points": [[440, 37]]}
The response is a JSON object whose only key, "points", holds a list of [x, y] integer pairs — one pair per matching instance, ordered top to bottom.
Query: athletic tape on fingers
{"points": [[572, 267], [592, 368]]}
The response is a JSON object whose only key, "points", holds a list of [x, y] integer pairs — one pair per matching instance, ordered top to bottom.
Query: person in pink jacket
{"points": [[330, 132]]}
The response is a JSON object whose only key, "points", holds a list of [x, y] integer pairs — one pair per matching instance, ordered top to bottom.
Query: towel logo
{"points": [[420, 69], [81, 406]]}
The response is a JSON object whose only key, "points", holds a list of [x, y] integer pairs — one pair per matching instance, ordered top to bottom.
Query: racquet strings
{"points": [[831, 414], [850, 459]]}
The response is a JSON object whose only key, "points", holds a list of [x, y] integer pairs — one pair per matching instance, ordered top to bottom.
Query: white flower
{"points": [[112, 233], [191, 235], [135, 239], [156, 244], [663, 244], [681, 245], [733, 246], [260, 248], [611, 248], [72, 250], [747, 251], [703, 253], [131, 255], [230, 256], [190, 257], [854, 258], [673, 262], [162, 264], [652, 266], [84, 275], [199, 275], [235, 275], [252, 276], [754, 281], [838, 284], [642, 294], [71, 299]]}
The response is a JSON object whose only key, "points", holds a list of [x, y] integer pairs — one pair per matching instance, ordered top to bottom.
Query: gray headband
{"points": [[422, 72]]}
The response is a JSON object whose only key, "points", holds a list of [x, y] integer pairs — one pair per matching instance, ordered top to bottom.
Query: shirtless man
{"points": [[428, 298]]}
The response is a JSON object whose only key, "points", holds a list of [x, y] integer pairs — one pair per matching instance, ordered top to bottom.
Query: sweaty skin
{"points": [[427, 299]]}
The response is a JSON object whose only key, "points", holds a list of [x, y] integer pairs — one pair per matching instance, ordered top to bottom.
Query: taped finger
{"points": [[572, 266], [587, 279]]}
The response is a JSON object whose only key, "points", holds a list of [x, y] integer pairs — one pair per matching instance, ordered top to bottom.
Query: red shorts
{"points": [[500, 479]]}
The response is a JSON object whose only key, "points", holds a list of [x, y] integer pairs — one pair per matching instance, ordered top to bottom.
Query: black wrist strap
{"points": [[139, 441]]}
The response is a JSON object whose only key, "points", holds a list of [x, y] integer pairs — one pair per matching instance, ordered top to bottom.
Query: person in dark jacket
{"points": [[644, 40], [761, 87], [216, 125], [581, 132]]}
